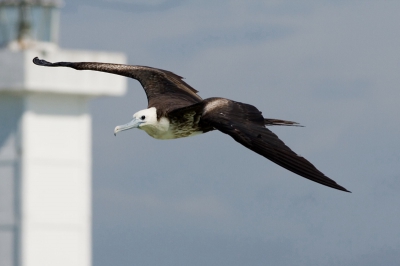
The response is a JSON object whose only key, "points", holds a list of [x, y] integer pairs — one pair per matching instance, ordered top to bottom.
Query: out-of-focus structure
{"points": [[45, 139]]}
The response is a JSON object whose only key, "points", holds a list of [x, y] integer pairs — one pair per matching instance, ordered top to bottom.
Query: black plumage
{"points": [[187, 112]]}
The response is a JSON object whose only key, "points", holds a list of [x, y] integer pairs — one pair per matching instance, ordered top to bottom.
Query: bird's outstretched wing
{"points": [[161, 86], [245, 124]]}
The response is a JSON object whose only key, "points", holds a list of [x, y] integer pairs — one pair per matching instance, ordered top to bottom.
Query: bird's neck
{"points": [[159, 129]]}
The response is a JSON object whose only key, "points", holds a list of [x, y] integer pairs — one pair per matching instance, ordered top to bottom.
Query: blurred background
{"points": [[332, 66]]}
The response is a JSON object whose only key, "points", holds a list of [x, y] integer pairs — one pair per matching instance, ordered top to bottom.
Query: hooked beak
{"points": [[133, 124]]}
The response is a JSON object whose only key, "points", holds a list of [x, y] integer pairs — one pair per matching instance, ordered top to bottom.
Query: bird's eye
{"points": [[143, 117]]}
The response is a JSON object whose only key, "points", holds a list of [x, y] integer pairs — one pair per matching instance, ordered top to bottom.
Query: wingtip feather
{"points": [[41, 62]]}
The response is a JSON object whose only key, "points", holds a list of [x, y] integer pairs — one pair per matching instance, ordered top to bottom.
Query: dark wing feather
{"points": [[162, 87], [245, 124]]}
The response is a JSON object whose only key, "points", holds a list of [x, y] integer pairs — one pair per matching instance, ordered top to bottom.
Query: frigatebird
{"points": [[175, 110]]}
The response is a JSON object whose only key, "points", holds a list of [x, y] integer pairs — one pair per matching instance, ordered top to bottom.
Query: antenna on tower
{"points": [[26, 23]]}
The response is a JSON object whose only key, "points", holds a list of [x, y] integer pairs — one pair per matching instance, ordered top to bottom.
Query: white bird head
{"points": [[141, 120]]}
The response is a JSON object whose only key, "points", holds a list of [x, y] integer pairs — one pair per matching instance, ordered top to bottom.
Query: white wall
{"points": [[45, 157]]}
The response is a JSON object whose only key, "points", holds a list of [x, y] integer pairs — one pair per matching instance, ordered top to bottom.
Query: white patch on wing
{"points": [[215, 104]]}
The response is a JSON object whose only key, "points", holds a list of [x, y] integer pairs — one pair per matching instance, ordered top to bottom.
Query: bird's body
{"points": [[175, 110], [170, 127]]}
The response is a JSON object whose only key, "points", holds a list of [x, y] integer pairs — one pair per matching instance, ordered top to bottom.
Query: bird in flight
{"points": [[175, 110]]}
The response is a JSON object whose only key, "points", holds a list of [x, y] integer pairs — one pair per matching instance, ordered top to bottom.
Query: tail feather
{"points": [[278, 122]]}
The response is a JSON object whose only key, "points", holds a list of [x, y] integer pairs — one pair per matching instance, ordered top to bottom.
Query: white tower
{"points": [[45, 140]]}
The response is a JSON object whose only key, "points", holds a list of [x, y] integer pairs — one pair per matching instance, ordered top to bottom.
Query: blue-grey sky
{"points": [[331, 65]]}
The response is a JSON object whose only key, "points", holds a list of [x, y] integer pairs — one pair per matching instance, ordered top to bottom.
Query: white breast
{"points": [[159, 129], [163, 129]]}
